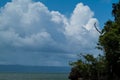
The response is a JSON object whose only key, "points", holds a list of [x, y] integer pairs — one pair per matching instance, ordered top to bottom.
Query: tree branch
{"points": [[97, 28]]}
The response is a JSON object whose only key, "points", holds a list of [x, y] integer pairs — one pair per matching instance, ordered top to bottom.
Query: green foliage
{"points": [[116, 11], [110, 41], [89, 67]]}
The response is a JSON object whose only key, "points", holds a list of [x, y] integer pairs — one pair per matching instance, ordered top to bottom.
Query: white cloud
{"points": [[29, 26]]}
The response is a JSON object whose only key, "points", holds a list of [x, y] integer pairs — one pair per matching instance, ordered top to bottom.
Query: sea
{"points": [[18, 72], [34, 76]]}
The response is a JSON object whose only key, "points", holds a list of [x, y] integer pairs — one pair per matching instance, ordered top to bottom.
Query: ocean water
{"points": [[33, 76]]}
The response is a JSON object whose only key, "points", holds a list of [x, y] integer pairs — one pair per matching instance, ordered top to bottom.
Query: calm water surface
{"points": [[33, 76]]}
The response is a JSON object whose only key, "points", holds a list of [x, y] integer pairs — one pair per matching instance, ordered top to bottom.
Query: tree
{"points": [[110, 41], [88, 67]]}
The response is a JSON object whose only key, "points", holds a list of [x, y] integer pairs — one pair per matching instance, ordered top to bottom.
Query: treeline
{"points": [[89, 67], [102, 67]]}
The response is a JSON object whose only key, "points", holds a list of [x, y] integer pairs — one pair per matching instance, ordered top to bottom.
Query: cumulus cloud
{"points": [[29, 27]]}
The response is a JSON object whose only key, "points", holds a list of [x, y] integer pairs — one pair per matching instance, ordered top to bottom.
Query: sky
{"points": [[50, 32]]}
